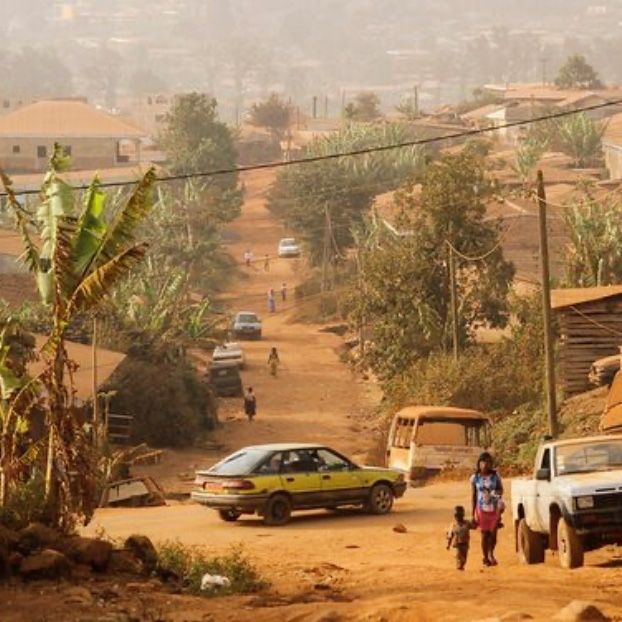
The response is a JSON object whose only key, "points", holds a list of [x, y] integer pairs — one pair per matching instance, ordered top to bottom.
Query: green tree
{"points": [[576, 73], [365, 107], [273, 113], [581, 138], [195, 140], [527, 156], [323, 201], [85, 250], [593, 254], [405, 291]]}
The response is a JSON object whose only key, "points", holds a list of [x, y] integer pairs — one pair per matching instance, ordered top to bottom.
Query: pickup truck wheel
{"points": [[380, 499], [278, 510], [229, 516], [530, 544], [569, 545]]}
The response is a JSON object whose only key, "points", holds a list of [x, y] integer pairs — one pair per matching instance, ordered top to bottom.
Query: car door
{"points": [[300, 478], [342, 481], [544, 494]]}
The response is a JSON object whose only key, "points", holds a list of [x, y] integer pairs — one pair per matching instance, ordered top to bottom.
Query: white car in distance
{"points": [[288, 247], [227, 353]]}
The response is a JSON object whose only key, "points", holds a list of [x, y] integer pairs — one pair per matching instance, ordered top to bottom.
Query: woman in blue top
{"points": [[487, 505]]}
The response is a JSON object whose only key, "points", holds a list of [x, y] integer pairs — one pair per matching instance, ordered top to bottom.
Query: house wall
{"points": [[86, 153], [613, 160], [592, 334]]}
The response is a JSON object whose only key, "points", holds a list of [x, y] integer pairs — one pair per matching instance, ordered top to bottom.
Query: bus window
{"points": [[403, 432]]}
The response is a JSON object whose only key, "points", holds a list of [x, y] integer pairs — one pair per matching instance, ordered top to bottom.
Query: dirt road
{"points": [[350, 564]]}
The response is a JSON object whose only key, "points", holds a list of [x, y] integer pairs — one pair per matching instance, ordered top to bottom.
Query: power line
{"points": [[345, 154]]}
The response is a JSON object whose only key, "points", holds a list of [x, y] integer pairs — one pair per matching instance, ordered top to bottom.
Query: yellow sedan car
{"points": [[273, 480]]}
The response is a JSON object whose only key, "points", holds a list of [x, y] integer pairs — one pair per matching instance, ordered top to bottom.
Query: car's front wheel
{"points": [[380, 499], [278, 510], [229, 516], [569, 544]]}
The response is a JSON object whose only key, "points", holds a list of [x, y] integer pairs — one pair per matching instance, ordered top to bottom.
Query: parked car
{"points": [[288, 247], [247, 324], [229, 351], [603, 371], [224, 378], [424, 440], [274, 480], [573, 501]]}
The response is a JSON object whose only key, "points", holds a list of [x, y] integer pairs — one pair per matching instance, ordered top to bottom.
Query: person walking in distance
{"points": [[248, 257], [266, 263], [284, 292], [271, 301], [273, 361], [250, 404], [487, 502], [458, 537]]}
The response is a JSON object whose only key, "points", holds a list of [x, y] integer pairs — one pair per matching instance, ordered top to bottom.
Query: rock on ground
{"points": [[37, 536], [143, 549], [92, 552], [48, 564], [581, 611]]}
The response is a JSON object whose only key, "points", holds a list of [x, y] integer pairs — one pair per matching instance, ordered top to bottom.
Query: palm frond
{"points": [[90, 229], [121, 231], [30, 256], [98, 284]]}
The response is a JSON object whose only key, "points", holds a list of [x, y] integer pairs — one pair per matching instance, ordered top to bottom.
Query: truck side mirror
{"points": [[543, 474]]}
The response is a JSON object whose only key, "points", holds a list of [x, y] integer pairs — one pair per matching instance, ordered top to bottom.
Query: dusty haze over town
{"points": [[240, 50]]}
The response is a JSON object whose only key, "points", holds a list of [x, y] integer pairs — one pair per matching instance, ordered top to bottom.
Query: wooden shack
{"points": [[590, 323]]}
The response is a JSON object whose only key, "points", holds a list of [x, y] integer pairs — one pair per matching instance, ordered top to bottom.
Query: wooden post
{"points": [[416, 100], [315, 106], [453, 287], [95, 383], [551, 399]]}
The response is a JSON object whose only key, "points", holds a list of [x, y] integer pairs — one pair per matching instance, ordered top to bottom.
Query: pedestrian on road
{"points": [[248, 257], [266, 263], [284, 292], [271, 301], [273, 361], [250, 404], [487, 505], [459, 536]]}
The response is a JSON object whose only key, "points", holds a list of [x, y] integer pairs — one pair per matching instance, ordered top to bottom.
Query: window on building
{"points": [[17, 149], [67, 150], [42, 151]]}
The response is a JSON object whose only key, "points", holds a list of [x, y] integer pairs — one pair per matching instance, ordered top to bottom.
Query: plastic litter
{"points": [[213, 581]]}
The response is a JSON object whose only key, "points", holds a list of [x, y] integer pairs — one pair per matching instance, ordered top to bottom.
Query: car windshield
{"points": [[288, 242], [250, 318], [601, 455], [241, 463]]}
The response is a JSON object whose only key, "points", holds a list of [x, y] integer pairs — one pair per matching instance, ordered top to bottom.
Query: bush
{"points": [[171, 405], [26, 504], [190, 564]]}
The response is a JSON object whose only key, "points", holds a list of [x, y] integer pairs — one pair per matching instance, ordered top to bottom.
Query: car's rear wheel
{"points": [[380, 499], [278, 510], [229, 516], [530, 544], [570, 547]]}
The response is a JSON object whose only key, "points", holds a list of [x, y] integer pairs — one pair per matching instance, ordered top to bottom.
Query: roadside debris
{"points": [[133, 492], [400, 528], [214, 581], [581, 611]]}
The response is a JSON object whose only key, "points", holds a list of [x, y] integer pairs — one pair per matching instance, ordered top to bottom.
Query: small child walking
{"points": [[459, 536]]}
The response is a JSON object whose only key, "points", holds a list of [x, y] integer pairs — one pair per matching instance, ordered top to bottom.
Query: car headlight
{"points": [[584, 503]]}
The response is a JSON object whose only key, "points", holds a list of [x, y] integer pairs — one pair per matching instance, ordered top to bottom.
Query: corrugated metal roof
{"points": [[64, 119], [561, 298]]}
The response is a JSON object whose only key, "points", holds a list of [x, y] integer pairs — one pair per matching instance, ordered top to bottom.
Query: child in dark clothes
{"points": [[459, 536]]}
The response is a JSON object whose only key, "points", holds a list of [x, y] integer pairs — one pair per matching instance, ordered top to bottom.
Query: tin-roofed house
{"points": [[92, 138], [590, 322]]}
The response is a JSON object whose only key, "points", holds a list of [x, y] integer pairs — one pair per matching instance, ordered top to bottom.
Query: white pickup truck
{"points": [[573, 502]]}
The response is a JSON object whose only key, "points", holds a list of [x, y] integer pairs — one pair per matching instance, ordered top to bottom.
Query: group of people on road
{"points": [[272, 297], [250, 400], [487, 508]]}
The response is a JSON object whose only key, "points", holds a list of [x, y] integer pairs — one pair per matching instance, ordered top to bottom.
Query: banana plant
{"points": [[84, 250]]}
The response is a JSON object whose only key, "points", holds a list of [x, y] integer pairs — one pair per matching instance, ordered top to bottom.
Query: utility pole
{"points": [[543, 62], [416, 100], [343, 101], [315, 106], [326, 106], [325, 250], [453, 288], [95, 383], [551, 401]]}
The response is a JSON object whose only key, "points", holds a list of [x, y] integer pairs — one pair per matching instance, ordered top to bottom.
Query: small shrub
{"points": [[26, 504], [190, 564]]}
